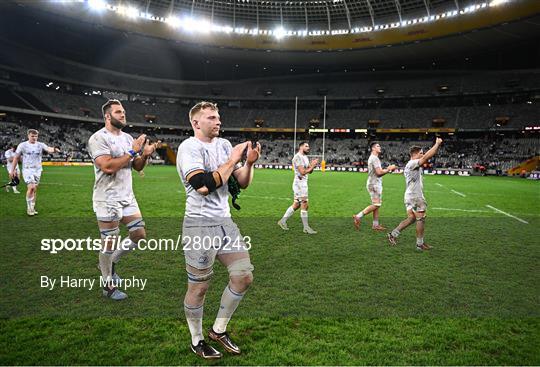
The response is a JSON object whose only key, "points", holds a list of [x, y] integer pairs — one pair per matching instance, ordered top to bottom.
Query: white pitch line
{"points": [[438, 184], [459, 193], [463, 210], [507, 214]]}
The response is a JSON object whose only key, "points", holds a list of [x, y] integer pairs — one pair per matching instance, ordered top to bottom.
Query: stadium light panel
{"points": [[497, 2], [97, 5], [132, 12], [173, 22], [189, 24], [203, 26], [279, 33]]}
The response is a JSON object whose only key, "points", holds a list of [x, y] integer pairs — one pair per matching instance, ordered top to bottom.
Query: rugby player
{"points": [[31, 152], [114, 154], [9, 155], [205, 162], [302, 168], [374, 188], [415, 202]]}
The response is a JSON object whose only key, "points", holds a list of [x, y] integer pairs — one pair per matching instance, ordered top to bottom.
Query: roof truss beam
{"points": [[371, 13]]}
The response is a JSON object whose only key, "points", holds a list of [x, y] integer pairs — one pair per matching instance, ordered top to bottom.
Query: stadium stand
{"points": [[484, 102], [175, 114], [501, 153]]}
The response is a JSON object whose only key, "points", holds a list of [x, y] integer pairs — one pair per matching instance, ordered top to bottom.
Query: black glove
{"points": [[234, 190]]}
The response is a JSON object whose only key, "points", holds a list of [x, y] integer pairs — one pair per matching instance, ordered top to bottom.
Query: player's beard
{"points": [[117, 123], [214, 133]]}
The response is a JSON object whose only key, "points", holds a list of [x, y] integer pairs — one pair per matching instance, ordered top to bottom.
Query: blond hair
{"points": [[201, 106], [32, 131]]}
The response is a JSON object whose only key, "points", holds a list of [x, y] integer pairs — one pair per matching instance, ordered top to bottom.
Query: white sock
{"points": [[30, 203], [288, 213], [360, 215], [304, 216], [375, 222], [395, 232], [419, 241], [119, 252], [105, 264], [229, 302], [194, 316]]}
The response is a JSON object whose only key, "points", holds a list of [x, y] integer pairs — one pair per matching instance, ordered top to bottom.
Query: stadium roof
{"points": [[331, 14], [152, 48]]}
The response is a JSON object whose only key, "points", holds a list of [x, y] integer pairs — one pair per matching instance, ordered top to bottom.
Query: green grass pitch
{"points": [[340, 297]]}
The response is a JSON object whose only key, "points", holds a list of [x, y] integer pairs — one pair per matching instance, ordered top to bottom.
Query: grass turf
{"points": [[339, 297]]}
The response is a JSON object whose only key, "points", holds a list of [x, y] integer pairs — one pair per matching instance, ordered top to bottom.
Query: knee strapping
{"points": [[378, 205], [421, 219], [135, 224], [110, 232], [240, 267], [199, 278]]}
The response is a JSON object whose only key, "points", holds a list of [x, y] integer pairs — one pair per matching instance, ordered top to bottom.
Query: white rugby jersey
{"points": [[9, 154], [31, 154], [193, 155], [300, 160], [373, 163], [413, 180], [116, 186]]}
